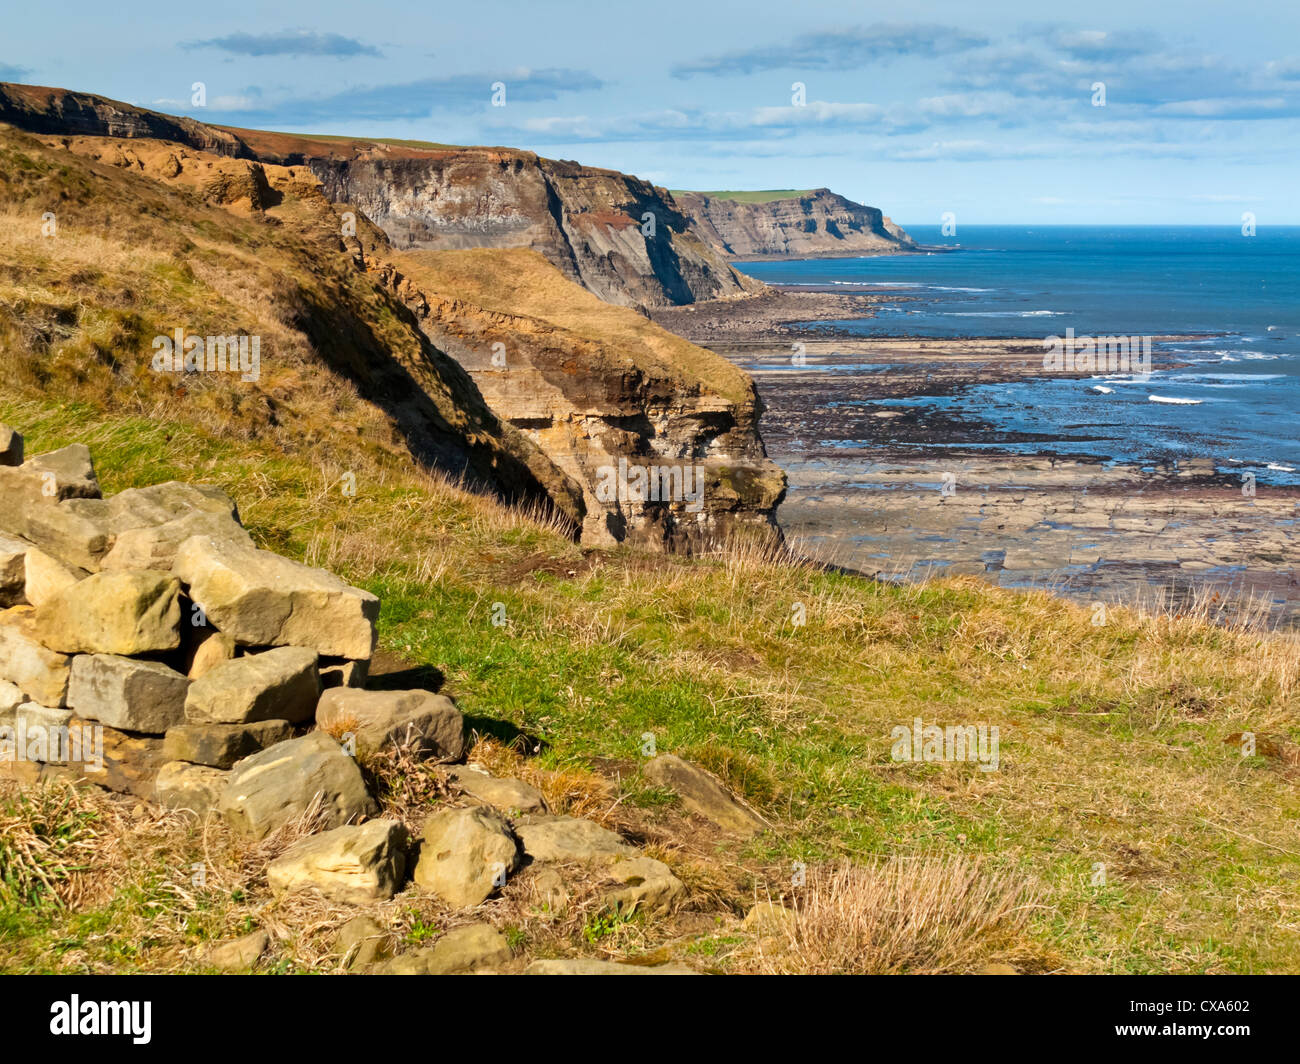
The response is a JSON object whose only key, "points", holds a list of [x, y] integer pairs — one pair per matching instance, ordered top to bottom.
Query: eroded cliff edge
{"points": [[817, 223], [357, 332]]}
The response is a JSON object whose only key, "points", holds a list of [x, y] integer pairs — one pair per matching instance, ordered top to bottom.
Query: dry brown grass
{"points": [[922, 915]]}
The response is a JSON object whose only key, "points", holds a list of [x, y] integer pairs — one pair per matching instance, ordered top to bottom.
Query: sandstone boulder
{"points": [[68, 473], [151, 523], [77, 531], [13, 570], [46, 576], [262, 599], [112, 613], [206, 648], [41, 674], [279, 684], [126, 693], [428, 725], [221, 745], [278, 784], [198, 788], [703, 795], [511, 796], [564, 838], [465, 854], [352, 865], [641, 884], [473, 948], [240, 954]]}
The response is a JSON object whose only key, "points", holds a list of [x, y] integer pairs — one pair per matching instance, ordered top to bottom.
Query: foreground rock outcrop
{"points": [[814, 224], [299, 775]]}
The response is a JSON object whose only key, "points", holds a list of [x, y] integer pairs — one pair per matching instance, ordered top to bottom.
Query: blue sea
{"points": [[1239, 294]]}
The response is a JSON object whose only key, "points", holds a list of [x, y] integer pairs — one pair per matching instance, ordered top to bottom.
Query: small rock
{"points": [[68, 473], [112, 613], [208, 649], [40, 673], [279, 684], [126, 693], [428, 725], [221, 745], [278, 784], [197, 788], [508, 795], [703, 795], [563, 838], [465, 855], [352, 865], [643, 884], [550, 891], [769, 918], [362, 941], [474, 948], [239, 954], [997, 968]]}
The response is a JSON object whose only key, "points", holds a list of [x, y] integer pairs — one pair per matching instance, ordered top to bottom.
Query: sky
{"points": [[1004, 112]]}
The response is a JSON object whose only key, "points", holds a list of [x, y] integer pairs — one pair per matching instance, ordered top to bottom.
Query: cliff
{"points": [[790, 224], [618, 236], [362, 339], [609, 398]]}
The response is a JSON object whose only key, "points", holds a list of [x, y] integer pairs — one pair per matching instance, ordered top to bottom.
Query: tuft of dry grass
{"points": [[914, 915]]}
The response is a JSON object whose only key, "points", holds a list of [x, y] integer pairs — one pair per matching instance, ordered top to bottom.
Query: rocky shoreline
{"points": [[868, 491]]}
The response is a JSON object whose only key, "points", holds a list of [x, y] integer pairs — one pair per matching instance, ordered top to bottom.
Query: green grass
{"points": [[1112, 738]]}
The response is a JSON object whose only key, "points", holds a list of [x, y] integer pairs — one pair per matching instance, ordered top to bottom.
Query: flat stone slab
{"points": [[262, 599], [279, 684], [127, 693], [426, 724], [278, 784], [704, 795], [564, 838], [353, 865]]}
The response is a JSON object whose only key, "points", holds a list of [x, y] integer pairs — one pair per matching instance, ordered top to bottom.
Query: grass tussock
{"points": [[922, 915]]}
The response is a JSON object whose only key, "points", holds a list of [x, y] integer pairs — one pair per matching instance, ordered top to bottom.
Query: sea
{"points": [[1235, 399]]}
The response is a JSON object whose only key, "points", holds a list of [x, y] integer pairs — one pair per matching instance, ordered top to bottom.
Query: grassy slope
{"points": [[521, 282], [1112, 737]]}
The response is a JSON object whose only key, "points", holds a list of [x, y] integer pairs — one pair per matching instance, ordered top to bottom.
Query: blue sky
{"points": [[982, 110]]}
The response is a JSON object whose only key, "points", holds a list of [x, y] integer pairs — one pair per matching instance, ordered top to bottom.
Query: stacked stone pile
{"points": [[148, 646]]}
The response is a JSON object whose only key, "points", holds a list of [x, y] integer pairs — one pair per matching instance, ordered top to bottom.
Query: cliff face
{"points": [[37, 109], [590, 223], [816, 224], [616, 235], [155, 237], [488, 363], [661, 435]]}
